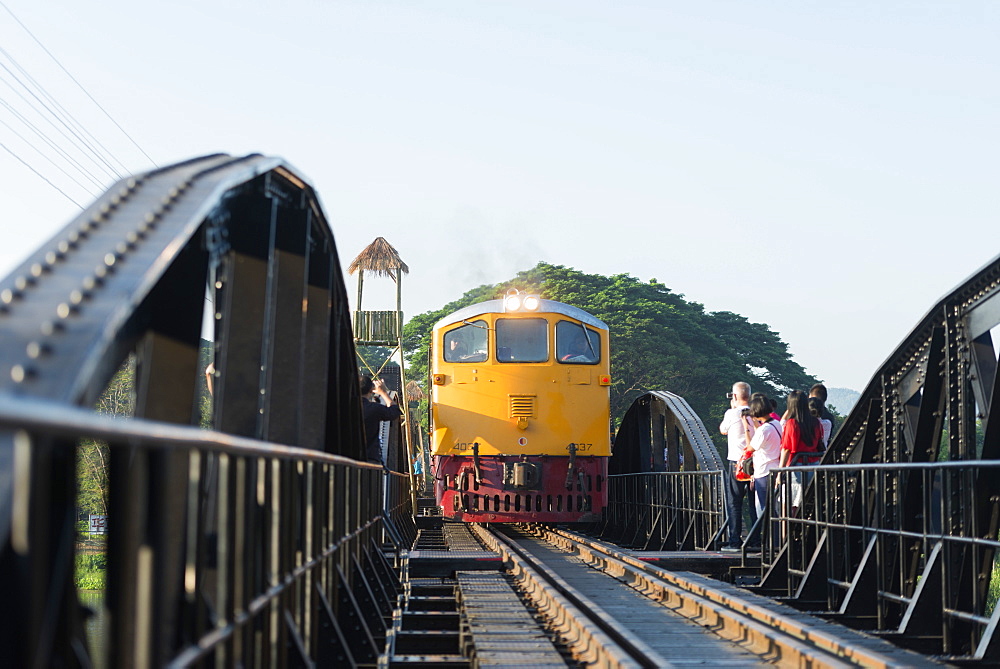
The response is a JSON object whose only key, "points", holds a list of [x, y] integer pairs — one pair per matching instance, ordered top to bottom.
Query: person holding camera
{"points": [[375, 413], [739, 429]]}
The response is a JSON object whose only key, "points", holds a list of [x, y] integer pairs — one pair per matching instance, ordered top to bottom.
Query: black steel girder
{"points": [[244, 242]]}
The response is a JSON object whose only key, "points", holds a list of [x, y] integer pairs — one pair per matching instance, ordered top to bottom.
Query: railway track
{"points": [[592, 604]]}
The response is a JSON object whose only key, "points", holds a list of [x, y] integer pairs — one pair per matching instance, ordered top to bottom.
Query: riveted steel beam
{"points": [[218, 548]]}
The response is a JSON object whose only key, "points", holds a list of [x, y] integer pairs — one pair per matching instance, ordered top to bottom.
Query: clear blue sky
{"points": [[827, 168]]}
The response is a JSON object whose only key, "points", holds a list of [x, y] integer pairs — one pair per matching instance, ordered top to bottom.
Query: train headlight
{"points": [[515, 300], [512, 301]]}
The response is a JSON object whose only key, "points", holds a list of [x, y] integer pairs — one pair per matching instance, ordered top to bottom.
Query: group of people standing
{"points": [[799, 437]]}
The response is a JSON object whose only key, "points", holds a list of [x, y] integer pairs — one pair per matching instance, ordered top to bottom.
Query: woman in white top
{"points": [[766, 445]]}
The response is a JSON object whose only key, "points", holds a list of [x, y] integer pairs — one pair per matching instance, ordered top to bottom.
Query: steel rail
{"points": [[57, 419], [756, 627], [593, 639]]}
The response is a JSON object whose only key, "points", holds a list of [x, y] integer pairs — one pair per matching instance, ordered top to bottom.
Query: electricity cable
{"points": [[110, 118], [67, 119], [62, 152], [54, 164], [113, 173], [42, 176]]}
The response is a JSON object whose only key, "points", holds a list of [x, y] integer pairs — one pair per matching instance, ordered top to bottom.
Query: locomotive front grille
{"points": [[522, 406], [531, 503]]}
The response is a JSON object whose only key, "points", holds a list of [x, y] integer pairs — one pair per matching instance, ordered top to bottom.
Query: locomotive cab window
{"points": [[522, 340], [466, 343], [577, 344]]}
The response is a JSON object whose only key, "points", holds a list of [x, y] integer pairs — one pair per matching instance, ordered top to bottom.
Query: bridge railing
{"points": [[219, 276], [665, 510], [221, 549], [904, 549]]}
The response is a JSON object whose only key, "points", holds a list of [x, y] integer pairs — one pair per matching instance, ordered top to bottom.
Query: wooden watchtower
{"points": [[379, 328], [382, 329]]}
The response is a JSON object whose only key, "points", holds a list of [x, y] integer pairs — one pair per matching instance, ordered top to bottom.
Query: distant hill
{"points": [[842, 400]]}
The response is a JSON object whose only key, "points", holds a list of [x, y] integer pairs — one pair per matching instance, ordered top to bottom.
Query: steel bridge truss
{"points": [[665, 484], [898, 531], [255, 542]]}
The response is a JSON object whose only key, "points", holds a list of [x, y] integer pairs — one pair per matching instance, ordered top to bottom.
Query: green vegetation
{"points": [[659, 340], [206, 356], [119, 400], [944, 443], [93, 456], [93, 462], [92, 481], [90, 570], [994, 592]]}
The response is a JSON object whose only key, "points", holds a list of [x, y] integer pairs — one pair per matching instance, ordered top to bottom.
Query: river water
{"points": [[96, 626]]}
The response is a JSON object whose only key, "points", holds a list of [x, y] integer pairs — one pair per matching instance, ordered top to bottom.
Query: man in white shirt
{"points": [[739, 431]]}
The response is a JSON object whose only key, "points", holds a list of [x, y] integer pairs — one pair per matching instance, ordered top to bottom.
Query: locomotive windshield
{"points": [[522, 340], [466, 343], [577, 344]]}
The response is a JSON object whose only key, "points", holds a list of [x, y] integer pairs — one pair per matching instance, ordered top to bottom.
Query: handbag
{"points": [[744, 466]]}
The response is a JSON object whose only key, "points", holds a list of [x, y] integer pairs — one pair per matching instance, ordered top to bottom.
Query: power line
{"points": [[56, 61], [55, 103], [64, 118], [48, 120], [58, 149], [42, 176], [70, 176]]}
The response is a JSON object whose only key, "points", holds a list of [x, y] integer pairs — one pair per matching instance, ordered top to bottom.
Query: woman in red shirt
{"points": [[801, 437]]}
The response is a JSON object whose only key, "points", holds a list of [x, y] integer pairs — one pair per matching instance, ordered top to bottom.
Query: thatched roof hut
{"points": [[381, 258], [413, 392]]}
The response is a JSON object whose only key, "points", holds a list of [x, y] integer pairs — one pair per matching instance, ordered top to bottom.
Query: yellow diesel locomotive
{"points": [[520, 414]]}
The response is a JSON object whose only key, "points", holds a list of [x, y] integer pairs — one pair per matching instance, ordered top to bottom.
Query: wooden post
{"points": [[399, 308], [357, 309]]}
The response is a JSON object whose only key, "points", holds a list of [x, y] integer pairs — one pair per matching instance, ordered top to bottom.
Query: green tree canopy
{"points": [[659, 340]]}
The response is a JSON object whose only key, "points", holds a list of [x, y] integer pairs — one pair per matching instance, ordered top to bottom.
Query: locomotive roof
{"points": [[496, 307]]}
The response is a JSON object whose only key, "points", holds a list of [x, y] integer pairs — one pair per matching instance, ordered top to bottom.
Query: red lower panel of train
{"points": [[519, 489]]}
